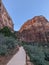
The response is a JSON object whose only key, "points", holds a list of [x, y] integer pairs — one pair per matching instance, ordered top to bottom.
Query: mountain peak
{"points": [[37, 20], [35, 30]]}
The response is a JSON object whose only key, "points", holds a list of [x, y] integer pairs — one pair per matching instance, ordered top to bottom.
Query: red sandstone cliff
{"points": [[35, 29]]}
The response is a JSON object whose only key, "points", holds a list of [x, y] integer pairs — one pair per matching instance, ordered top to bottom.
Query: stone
{"points": [[5, 19], [35, 30], [28, 58], [28, 63]]}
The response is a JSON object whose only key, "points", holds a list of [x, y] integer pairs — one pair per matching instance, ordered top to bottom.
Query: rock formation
{"points": [[5, 19], [35, 29]]}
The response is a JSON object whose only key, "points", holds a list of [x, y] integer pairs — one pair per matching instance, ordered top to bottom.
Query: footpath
{"points": [[19, 58]]}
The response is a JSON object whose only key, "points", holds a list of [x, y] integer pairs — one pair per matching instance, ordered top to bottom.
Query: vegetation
{"points": [[7, 32], [6, 44], [38, 52], [39, 55]]}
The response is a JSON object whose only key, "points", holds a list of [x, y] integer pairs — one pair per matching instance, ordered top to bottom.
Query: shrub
{"points": [[7, 32], [11, 42], [6, 44], [3, 50], [37, 54]]}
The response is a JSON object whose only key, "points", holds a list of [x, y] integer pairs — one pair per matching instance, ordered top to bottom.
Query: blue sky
{"points": [[22, 10]]}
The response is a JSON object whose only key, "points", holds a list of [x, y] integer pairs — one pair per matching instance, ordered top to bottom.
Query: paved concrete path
{"points": [[19, 58]]}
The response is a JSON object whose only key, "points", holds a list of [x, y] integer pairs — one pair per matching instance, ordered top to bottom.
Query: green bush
{"points": [[7, 32], [11, 42], [6, 44], [3, 50], [37, 54]]}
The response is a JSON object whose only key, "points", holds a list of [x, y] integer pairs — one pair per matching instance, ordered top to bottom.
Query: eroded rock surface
{"points": [[35, 29]]}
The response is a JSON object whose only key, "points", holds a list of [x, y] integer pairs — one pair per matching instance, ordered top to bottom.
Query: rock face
{"points": [[5, 19], [35, 29]]}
